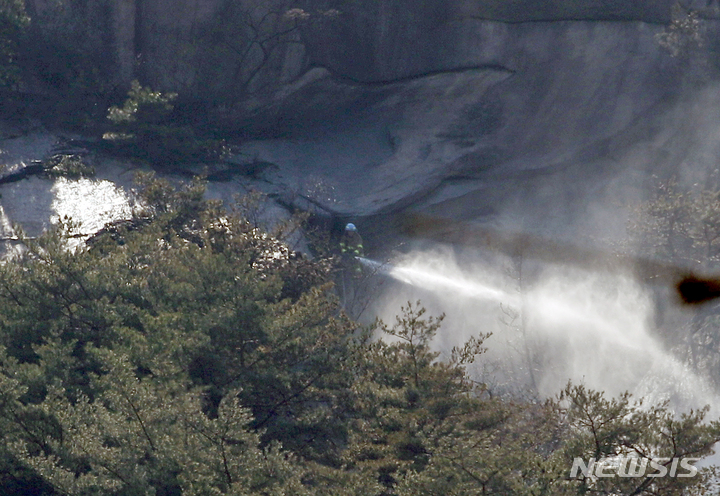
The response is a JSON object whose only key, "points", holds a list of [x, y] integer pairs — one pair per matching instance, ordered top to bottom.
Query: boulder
{"points": [[522, 100]]}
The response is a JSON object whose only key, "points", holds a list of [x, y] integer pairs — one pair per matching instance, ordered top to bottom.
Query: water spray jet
{"points": [[430, 280], [595, 328]]}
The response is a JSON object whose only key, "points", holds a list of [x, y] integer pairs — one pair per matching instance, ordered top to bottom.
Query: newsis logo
{"points": [[630, 466]]}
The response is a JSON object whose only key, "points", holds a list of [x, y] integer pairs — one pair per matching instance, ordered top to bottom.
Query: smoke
{"points": [[553, 323], [550, 324]]}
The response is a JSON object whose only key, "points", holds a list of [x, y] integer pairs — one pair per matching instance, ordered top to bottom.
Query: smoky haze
{"points": [[555, 325], [612, 330]]}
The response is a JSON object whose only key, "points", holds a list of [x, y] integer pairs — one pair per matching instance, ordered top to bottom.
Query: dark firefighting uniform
{"points": [[351, 246]]}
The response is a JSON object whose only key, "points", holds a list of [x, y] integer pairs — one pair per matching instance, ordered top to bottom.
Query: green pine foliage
{"points": [[13, 20], [143, 128], [681, 225], [169, 326], [187, 352], [423, 427]]}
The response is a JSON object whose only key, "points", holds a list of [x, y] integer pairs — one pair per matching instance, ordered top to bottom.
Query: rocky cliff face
{"points": [[231, 48], [520, 97], [468, 109]]}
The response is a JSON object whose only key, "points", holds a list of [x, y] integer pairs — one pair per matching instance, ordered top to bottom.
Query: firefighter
{"points": [[351, 246]]}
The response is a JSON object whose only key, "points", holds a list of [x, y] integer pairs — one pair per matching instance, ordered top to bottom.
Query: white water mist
{"points": [[437, 280], [565, 324]]}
